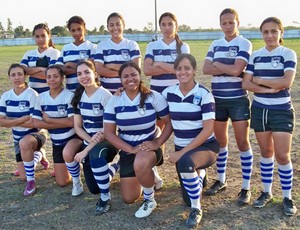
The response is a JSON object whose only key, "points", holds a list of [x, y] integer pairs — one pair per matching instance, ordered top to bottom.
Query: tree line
{"points": [[62, 31]]}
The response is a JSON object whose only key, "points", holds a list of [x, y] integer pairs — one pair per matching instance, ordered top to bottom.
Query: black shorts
{"points": [[236, 109], [263, 120], [41, 140], [57, 153], [127, 160]]}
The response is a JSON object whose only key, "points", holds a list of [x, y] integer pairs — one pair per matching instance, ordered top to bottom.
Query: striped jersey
{"points": [[159, 51], [109, 52], [73, 53], [30, 59], [271, 65], [226, 86], [15, 106], [58, 107], [91, 110], [188, 112], [136, 124]]}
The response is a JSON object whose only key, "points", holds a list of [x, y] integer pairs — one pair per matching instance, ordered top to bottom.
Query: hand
{"points": [[119, 91], [46, 118], [98, 137], [149, 146], [175, 156], [80, 157]]}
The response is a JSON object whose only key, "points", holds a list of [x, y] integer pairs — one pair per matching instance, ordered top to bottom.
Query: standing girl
{"points": [[73, 52], [113, 52], [36, 61], [226, 61], [270, 75], [89, 102], [16, 108], [53, 111]]}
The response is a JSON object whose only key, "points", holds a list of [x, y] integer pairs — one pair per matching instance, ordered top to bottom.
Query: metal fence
{"points": [[186, 36]]}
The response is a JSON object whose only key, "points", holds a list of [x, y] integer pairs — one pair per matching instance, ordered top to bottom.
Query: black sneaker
{"points": [[216, 187], [244, 197], [263, 199], [102, 207], [289, 207], [194, 217]]}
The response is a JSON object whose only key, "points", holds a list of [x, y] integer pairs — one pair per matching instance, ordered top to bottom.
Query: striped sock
{"points": [[37, 157], [247, 163], [221, 164], [29, 169], [74, 169], [112, 169], [266, 172], [201, 178], [286, 179], [192, 186], [148, 193]]}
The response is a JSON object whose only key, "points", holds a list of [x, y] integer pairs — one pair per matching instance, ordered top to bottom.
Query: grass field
{"points": [[53, 207]]}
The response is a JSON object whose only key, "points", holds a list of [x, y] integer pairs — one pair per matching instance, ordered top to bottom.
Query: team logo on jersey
{"points": [[232, 51], [83, 54], [125, 54], [173, 54], [275, 61], [196, 99], [22, 105], [96, 108], [62, 110], [141, 110]]}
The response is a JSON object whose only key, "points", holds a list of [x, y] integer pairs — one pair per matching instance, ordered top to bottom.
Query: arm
{"points": [[69, 68], [150, 69], [210, 69], [109, 70], [234, 70], [37, 72], [277, 83], [248, 84], [5, 122], [53, 123], [79, 130], [110, 135]]}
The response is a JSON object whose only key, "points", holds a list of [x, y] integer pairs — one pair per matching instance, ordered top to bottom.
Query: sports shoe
{"points": [[44, 162], [16, 173], [52, 173], [216, 187], [30, 188], [77, 189], [244, 197], [263, 199], [102, 207], [289, 207], [146, 208], [194, 217]]}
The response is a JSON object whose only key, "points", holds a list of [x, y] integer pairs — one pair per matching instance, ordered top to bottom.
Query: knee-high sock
{"points": [[247, 163], [221, 164], [29, 169], [74, 169], [266, 172], [286, 179], [191, 184]]}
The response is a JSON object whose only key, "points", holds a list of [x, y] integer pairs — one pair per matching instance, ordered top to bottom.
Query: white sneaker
{"points": [[77, 189], [146, 208]]}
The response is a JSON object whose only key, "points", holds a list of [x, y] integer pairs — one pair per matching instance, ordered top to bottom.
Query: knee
{"points": [[243, 145], [68, 156], [283, 159], [141, 164], [185, 164], [61, 182], [130, 199]]}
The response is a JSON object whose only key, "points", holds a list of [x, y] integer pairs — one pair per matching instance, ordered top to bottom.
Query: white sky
{"points": [[137, 13]]}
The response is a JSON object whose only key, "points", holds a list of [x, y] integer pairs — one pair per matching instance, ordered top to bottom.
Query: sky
{"points": [[138, 13]]}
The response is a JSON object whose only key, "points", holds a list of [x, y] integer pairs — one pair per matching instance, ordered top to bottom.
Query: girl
{"points": [[73, 52], [113, 52], [226, 60], [36, 61], [270, 75], [89, 102], [16, 107], [54, 112], [134, 114], [192, 115]]}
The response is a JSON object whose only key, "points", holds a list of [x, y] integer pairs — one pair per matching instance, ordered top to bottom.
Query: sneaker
{"points": [[44, 162], [16, 173], [52, 173], [216, 187], [30, 188], [77, 189], [244, 197], [263, 199], [102, 207], [289, 207], [146, 208], [194, 217]]}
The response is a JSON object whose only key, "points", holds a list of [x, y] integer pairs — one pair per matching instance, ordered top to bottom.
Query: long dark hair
{"points": [[276, 21], [46, 28], [177, 38], [190, 57], [80, 89], [143, 89]]}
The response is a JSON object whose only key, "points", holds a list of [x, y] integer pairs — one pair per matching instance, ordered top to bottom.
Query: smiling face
{"points": [[229, 25], [115, 27], [271, 34], [185, 72], [86, 76], [17, 77], [54, 79], [130, 79]]}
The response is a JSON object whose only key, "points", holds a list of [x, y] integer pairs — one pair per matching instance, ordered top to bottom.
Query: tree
{"points": [[9, 26], [148, 28], [184, 28], [1, 29], [102, 29], [59, 31], [19, 32]]}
